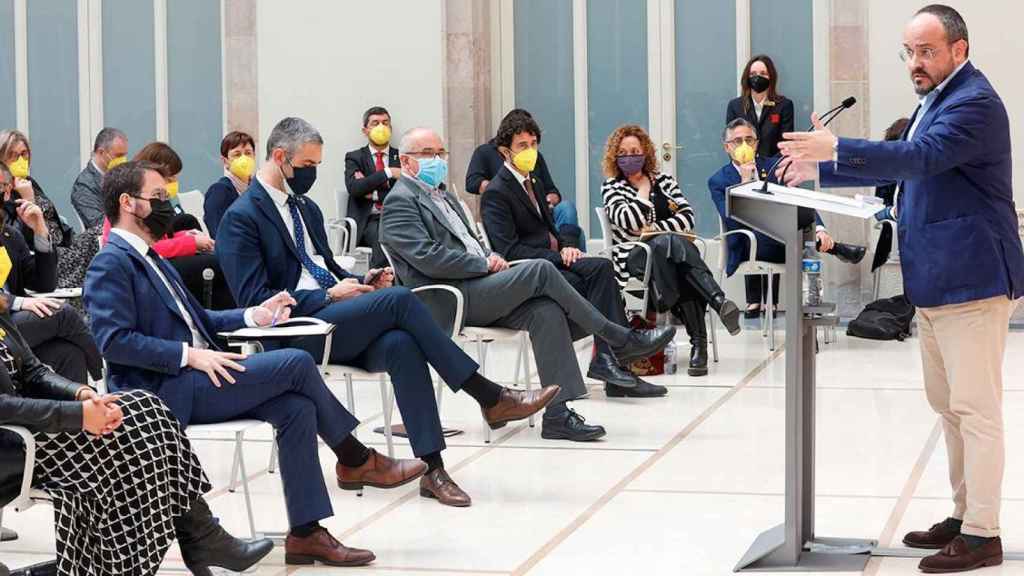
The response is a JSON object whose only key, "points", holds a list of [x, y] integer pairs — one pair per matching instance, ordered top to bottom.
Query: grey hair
{"points": [[952, 21], [737, 123], [291, 134], [409, 137], [106, 138]]}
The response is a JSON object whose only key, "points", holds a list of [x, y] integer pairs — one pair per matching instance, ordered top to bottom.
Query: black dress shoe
{"points": [[848, 253], [728, 313], [751, 313], [643, 343], [605, 368], [643, 389], [569, 426], [204, 543]]}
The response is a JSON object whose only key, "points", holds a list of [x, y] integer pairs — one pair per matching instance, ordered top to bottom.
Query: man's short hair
{"points": [[952, 21], [374, 111], [737, 123], [513, 124], [291, 134], [106, 138], [128, 178]]}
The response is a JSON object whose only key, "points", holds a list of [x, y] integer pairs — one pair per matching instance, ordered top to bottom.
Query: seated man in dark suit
{"points": [[738, 137], [109, 149], [486, 161], [369, 173], [515, 213], [273, 239], [431, 241], [156, 337]]}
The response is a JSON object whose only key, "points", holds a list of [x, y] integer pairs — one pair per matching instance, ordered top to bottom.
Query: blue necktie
{"points": [[171, 274], [322, 276]]}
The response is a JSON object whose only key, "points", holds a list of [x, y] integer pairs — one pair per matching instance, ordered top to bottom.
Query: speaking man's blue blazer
{"points": [[957, 221], [259, 257], [139, 328]]}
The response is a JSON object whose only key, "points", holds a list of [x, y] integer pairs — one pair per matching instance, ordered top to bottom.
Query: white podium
{"points": [[787, 215]]}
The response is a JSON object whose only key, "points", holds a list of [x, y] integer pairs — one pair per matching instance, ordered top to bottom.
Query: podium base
{"points": [[821, 555]]}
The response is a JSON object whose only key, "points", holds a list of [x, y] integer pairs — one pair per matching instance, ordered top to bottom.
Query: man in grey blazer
{"points": [[109, 150], [431, 242]]}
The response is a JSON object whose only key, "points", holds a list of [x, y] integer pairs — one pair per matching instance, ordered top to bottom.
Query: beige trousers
{"points": [[962, 349]]}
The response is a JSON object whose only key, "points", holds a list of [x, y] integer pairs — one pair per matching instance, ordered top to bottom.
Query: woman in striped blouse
{"points": [[641, 201]]}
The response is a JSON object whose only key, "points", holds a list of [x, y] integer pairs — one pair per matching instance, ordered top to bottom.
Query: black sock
{"points": [[485, 392], [555, 410], [351, 452], [434, 461], [953, 522], [305, 530], [975, 541]]}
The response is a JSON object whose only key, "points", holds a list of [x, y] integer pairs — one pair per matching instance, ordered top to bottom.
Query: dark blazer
{"points": [[775, 120], [486, 162], [360, 190], [86, 197], [219, 197], [956, 201], [515, 228], [259, 257], [29, 270], [138, 326], [35, 398]]}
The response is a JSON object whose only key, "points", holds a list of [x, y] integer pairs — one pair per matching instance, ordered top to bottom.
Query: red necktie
{"points": [[379, 165]]}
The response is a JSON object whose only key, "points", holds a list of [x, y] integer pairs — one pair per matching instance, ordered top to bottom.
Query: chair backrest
{"points": [[192, 203], [341, 203], [606, 227], [391, 263]]}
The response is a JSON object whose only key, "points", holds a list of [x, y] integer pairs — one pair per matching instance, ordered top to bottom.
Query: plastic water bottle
{"points": [[812, 275], [670, 358]]}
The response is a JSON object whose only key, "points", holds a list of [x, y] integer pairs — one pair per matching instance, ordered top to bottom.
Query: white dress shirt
{"points": [[522, 182], [280, 198], [198, 341]]}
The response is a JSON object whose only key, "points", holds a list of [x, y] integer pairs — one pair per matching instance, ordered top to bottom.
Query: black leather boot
{"points": [[848, 253], [708, 288], [692, 315], [204, 543]]}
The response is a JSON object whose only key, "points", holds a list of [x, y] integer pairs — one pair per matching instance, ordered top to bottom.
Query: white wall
{"points": [[995, 48], [328, 61]]}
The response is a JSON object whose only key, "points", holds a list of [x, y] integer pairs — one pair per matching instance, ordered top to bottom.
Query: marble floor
{"points": [[681, 485]]}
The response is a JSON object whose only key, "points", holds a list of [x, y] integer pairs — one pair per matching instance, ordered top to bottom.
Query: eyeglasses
{"points": [[923, 54], [748, 140], [429, 153], [158, 194]]}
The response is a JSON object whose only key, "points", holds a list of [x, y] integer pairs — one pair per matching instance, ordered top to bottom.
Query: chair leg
{"points": [[876, 284], [765, 309], [771, 314], [713, 334], [524, 345], [481, 355], [519, 361], [350, 393], [385, 405], [239, 438], [272, 465], [233, 482]]}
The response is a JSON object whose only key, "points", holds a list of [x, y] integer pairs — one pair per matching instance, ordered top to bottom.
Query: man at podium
{"points": [[954, 205]]}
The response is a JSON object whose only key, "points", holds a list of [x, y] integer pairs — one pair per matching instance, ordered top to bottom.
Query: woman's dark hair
{"points": [[773, 79], [516, 122], [896, 130], [234, 140], [167, 161], [128, 178]]}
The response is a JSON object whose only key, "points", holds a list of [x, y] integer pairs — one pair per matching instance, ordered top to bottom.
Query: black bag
{"points": [[885, 319]]}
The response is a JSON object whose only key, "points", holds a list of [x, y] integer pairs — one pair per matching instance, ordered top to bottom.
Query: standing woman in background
{"points": [[762, 105]]}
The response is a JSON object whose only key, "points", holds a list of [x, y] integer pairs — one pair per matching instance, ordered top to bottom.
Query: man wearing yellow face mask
{"points": [[108, 150], [238, 153], [370, 171]]}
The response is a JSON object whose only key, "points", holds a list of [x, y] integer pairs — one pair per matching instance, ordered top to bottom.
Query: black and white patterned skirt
{"points": [[115, 497]]}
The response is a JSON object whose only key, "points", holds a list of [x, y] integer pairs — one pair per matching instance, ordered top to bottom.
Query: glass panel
{"points": [[792, 52], [129, 78], [706, 79], [617, 81], [544, 82], [53, 98], [8, 110]]}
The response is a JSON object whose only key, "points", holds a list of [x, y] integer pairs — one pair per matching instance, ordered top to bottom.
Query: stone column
{"points": [[240, 70]]}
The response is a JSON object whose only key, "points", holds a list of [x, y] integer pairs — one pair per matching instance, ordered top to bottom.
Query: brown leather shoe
{"points": [[516, 405], [379, 471], [438, 484], [935, 537], [321, 547], [958, 557]]}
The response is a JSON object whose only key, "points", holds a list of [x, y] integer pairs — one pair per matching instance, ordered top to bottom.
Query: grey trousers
{"points": [[534, 296]]}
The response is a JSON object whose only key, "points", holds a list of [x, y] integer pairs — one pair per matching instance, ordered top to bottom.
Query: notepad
{"points": [[290, 328]]}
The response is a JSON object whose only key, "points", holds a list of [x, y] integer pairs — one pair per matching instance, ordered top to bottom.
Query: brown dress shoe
{"points": [[516, 405], [379, 471], [438, 484], [935, 537], [321, 547], [958, 557]]}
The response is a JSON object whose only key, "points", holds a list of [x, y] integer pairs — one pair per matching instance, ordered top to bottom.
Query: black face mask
{"points": [[758, 83], [302, 179], [161, 215]]}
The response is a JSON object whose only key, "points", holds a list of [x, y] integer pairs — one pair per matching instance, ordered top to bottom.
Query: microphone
{"points": [[826, 118], [208, 275]]}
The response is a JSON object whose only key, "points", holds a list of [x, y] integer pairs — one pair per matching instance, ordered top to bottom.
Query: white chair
{"points": [[192, 203], [345, 228], [749, 267], [27, 495]]}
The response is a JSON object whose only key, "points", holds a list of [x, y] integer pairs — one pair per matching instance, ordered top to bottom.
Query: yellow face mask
{"points": [[380, 134], [743, 154], [525, 160], [116, 161], [243, 167], [19, 168], [172, 189], [5, 265]]}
